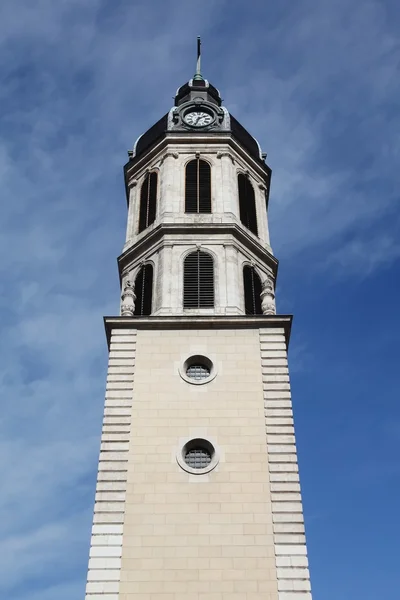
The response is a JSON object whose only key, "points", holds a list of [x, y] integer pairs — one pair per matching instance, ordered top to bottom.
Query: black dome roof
{"points": [[201, 85]]}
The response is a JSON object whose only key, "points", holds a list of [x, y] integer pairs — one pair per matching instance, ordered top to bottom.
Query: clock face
{"points": [[198, 118]]}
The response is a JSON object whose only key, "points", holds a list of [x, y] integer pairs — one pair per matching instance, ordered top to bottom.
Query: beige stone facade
{"points": [[161, 533]]}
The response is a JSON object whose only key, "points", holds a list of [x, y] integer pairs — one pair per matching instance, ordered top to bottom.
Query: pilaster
{"points": [[130, 226], [109, 510], [287, 511]]}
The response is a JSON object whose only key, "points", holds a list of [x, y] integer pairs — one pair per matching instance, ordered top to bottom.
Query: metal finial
{"points": [[198, 75]]}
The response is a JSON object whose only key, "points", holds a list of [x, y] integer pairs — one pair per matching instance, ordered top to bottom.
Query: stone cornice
{"points": [[154, 236], [200, 322]]}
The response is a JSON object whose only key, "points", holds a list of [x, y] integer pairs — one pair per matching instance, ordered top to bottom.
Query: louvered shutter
{"points": [[198, 187], [148, 201], [152, 202], [247, 204], [198, 280], [144, 291], [252, 291]]}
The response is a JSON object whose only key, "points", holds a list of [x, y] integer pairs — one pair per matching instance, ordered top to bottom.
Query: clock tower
{"points": [[198, 494]]}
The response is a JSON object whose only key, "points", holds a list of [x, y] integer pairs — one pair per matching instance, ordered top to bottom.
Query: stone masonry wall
{"points": [[160, 533], [198, 537]]}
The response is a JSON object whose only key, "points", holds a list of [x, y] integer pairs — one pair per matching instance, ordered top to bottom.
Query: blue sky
{"points": [[318, 84]]}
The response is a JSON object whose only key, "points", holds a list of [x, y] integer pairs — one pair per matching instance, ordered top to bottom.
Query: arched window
{"points": [[198, 187], [148, 201], [247, 204], [198, 280], [144, 291], [252, 291]]}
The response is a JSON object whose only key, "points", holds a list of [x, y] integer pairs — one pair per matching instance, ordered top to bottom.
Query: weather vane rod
{"points": [[198, 66]]}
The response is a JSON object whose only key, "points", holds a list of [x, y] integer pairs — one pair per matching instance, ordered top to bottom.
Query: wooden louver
{"points": [[198, 187], [148, 201], [247, 204], [198, 280], [144, 291], [252, 291]]}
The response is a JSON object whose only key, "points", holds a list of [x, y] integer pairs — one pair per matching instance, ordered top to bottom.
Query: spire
{"points": [[198, 76]]}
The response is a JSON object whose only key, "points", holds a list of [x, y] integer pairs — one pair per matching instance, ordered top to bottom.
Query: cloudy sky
{"points": [[318, 84]]}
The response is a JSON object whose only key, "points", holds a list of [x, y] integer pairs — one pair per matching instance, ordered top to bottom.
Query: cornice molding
{"points": [[152, 239], [200, 322]]}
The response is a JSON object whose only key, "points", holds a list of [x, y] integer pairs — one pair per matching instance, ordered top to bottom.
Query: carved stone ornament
{"points": [[168, 154], [228, 154], [268, 297], [128, 298]]}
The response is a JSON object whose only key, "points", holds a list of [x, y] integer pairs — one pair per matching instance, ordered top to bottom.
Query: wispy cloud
{"points": [[315, 82]]}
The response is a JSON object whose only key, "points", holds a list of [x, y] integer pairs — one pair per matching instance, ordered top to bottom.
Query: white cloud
{"points": [[82, 81], [363, 256]]}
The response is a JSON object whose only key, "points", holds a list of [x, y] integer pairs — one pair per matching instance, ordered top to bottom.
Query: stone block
{"points": [[118, 412], [276, 438], [114, 446], [112, 457], [112, 475], [278, 475], [110, 486], [110, 496], [286, 496], [287, 507], [103, 517], [290, 517], [288, 528], [107, 530], [289, 538], [100, 541], [287, 550], [292, 561], [105, 563], [293, 573], [103, 575], [294, 585], [103, 587], [90, 596], [295, 596]]}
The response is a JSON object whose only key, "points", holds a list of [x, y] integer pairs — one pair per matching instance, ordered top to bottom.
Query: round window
{"points": [[197, 369], [197, 456]]}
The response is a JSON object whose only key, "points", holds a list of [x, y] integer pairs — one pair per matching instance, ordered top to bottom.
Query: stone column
{"points": [[168, 194], [226, 203], [262, 213], [130, 226], [234, 285], [268, 297], [128, 298]]}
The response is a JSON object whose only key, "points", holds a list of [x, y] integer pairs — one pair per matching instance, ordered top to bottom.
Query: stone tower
{"points": [[198, 494]]}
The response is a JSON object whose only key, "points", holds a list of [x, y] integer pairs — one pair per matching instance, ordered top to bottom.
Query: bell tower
{"points": [[198, 493]]}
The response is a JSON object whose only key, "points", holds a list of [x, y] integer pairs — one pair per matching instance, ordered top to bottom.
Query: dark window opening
{"points": [[198, 187], [148, 201], [247, 204], [198, 280], [144, 291], [252, 291], [198, 372], [198, 458]]}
